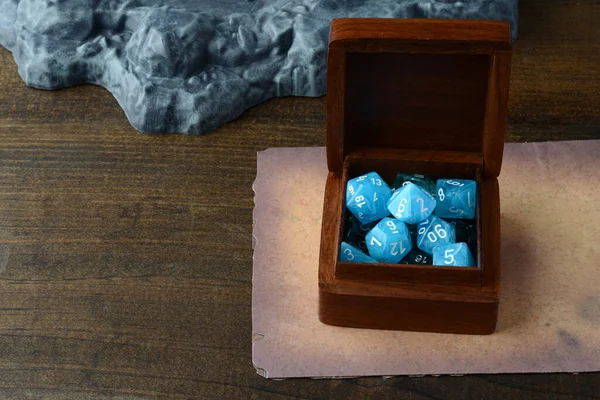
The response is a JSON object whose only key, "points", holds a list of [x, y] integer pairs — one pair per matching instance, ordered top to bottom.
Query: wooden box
{"points": [[415, 96]]}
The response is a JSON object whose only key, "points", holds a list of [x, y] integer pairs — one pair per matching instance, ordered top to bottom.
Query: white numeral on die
{"points": [[454, 183], [441, 194], [360, 201], [402, 206], [423, 208], [455, 210], [423, 225], [392, 226], [440, 231], [374, 241], [395, 250], [349, 254], [448, 256]]}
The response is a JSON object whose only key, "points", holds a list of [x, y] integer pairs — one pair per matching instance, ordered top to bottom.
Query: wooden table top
{"points": [[126, 259]]}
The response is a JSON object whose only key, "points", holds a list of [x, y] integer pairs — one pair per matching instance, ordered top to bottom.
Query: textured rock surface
{"points": [[190, 66]]}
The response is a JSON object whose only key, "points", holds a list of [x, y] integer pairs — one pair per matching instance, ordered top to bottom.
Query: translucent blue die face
{"points": [[367, 197], [456, 198], [411, 204], [434, 232], [389, 241], [349, 253], [456, 254]]}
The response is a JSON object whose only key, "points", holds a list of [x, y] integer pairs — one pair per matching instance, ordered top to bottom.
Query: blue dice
{"points": [[367, 197], [456, 198], [411, 204], [434, 232], [389, 241], [349, 253], [457, 254]]}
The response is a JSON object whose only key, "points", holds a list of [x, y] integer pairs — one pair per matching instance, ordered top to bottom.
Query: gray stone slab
{"points": [[190, 66]]}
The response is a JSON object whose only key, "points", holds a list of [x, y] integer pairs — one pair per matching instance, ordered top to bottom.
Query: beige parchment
{"points": [[550, 300]]}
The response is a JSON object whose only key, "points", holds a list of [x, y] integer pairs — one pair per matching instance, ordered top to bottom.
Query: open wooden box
{"points": [[415, 96]]}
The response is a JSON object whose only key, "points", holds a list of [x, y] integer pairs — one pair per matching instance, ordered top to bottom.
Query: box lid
{"points": [[419, 85]]}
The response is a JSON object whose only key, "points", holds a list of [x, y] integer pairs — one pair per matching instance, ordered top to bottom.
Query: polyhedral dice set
{"points": [[416, 119], [415, 217]]}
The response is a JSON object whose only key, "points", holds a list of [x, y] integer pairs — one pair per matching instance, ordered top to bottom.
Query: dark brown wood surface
{"points": [[125, 259]]}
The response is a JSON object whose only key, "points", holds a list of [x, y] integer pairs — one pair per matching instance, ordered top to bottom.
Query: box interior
{"points": [[416, 101], [388, 168]]}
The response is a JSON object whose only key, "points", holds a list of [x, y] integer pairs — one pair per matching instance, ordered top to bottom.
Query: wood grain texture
{"points": [[491, 33], [417, 84], [415, 101], [425, 105], [336, 122], [494, 134], [387, 162], [489, 210], [126, 262], [408, 273], [402, 312]]}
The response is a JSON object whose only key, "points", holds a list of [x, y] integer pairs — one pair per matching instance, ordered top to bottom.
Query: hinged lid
{"points": [[418, 84]]}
